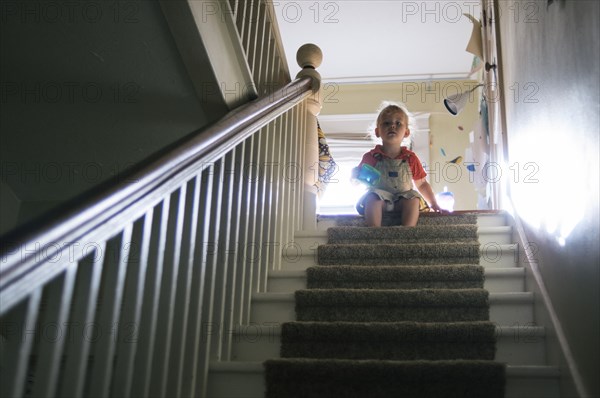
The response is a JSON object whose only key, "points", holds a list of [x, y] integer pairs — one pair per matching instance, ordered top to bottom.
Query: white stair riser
{"points": [[491, 220], [502, 238], [310, 243], [494, 255], [298, 263], [494, 284], [504, 284], [286, 285], [269, 312], [272, 312], [512, 314], [514, 347], [521, 350], [224, 384], [532, 387]]}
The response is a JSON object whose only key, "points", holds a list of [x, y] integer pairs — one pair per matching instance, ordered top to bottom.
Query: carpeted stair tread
{"points": [[391, 219], [399, 234], [398, 254], [395, 277], [416, 297], [375, 305], [389, 340], [326, 378]]}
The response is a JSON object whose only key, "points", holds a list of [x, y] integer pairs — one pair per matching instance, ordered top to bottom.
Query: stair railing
{"points": [[133, 289]]}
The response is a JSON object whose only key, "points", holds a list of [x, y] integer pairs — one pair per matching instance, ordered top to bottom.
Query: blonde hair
{"points": [[390, 106]]}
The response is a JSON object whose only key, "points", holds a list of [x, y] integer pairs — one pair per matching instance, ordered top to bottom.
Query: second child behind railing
{"points": [[401, 186]]}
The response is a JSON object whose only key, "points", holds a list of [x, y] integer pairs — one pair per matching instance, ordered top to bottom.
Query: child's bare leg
{"points": [[373, 210], [409, 210]]}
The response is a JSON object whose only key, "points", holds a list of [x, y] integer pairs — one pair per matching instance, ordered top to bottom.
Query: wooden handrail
{"points": [[91, 210]]}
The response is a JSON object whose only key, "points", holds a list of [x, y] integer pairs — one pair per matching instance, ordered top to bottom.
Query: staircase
{"points": [[520, 343]]}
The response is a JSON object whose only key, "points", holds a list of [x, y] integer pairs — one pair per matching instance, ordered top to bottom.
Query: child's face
{"points": [[392, 128]]}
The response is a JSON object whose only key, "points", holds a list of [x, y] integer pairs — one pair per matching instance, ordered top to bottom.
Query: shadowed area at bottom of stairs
{"points": [[389, 340], [327, 378]]}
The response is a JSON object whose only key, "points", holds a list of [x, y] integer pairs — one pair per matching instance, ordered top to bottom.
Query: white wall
{"points": [[550, 62]]}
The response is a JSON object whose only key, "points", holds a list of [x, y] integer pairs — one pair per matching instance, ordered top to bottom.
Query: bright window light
{"points": [[546, 192], [341, 194]]}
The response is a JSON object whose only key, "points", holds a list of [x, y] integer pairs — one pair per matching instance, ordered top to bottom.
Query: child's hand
{"points": [[435, 207]]}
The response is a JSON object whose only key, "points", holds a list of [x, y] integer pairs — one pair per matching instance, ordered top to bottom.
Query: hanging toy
{"points": [[456, 160], [445, 200]]}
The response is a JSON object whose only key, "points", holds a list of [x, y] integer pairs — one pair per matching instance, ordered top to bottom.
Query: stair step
{"points": [[487, 219], [398, 234], [486, 235], [308, 241], [400, 254], [492, 255], [456, 276], [496, 280], [391, 305], [505, 308], [516, 345], [234, 379]]}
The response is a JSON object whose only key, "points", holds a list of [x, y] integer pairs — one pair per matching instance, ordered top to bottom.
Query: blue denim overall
{"points": [[395, 182]]}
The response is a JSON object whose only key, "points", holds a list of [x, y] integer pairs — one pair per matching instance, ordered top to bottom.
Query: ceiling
{"points": [[393, 40]]}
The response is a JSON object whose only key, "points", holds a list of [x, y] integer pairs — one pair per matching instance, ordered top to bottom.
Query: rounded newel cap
{"points": [[309, 55]]}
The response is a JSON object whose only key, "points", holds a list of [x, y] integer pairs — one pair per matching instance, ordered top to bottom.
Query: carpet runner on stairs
{"points": [[394, 277], [390, 305], [392, 312]]}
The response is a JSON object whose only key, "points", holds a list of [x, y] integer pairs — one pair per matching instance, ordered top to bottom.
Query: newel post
{"points": [[309, 57]]}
